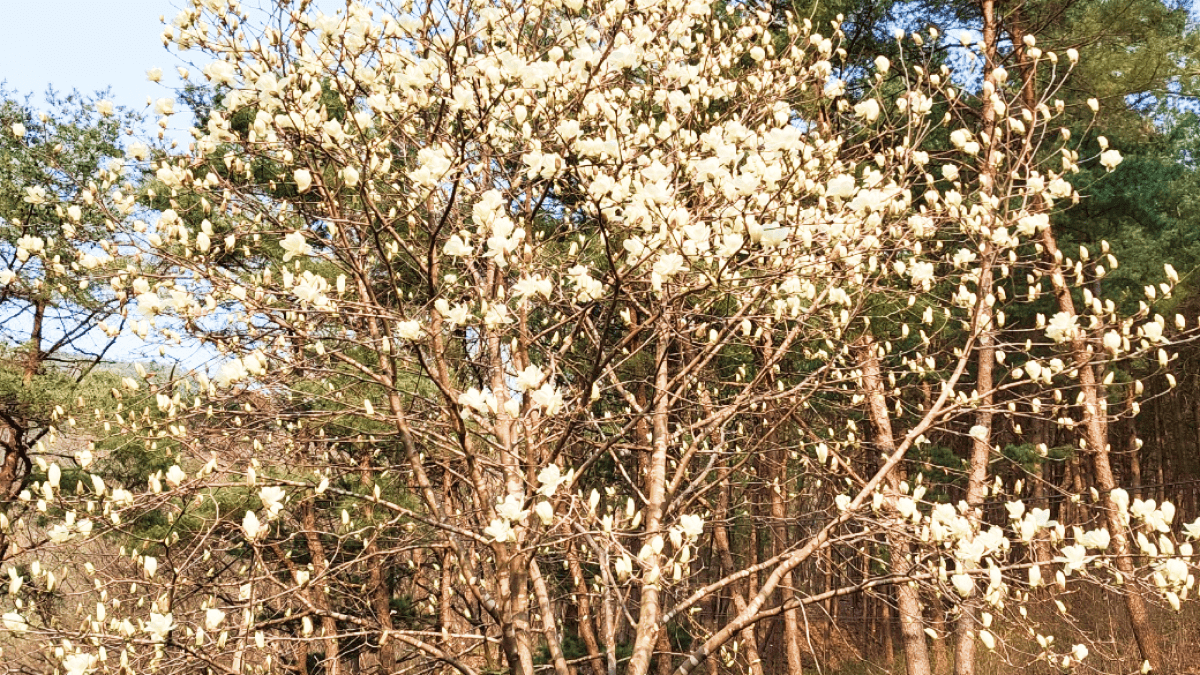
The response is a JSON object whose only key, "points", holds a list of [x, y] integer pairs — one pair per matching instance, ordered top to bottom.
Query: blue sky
{"points": [[86, 45]]}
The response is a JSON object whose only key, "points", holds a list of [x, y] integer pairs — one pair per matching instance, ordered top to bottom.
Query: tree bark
{"points": [[1096, 433], [981, 434], [316, 549], [583, 606], [912, 624], [646, 636]]}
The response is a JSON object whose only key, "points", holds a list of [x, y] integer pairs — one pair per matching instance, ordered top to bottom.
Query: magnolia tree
{"points": [[590, 335]]}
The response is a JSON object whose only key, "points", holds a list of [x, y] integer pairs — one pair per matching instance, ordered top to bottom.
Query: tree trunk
{"points": [[1095, 430], [981, 433], [1133, 447], [316, 549], [725, 557], [586, 621], [791, 624], [912, 625], [549, 629], [646, 636]]}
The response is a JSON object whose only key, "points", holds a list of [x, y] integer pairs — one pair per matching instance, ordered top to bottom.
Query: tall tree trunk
{"points": [[985, 352], [33, 362], [1094, 414], [1096, 438], [1133, 446], [725, 557], [317, 588], [586, 620], [791, 624], [912, 625], [549, 629], [646, 636]]}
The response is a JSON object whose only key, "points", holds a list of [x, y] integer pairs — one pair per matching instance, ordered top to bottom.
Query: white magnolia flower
{"points": [[220, 72], [154, 74], [868, 110], [18, 130], [960, 137], [138, 151], [1109, 159], [303, 178], [840, 186], [36, 195], [1030, 225], [28, 245], [294, 245], [458, 246], [963, 258], [668, 265], [921, 273], [310, 288], [456, 315], [496, 316], [1061, 327], [408, 330], [1152, 331], [1113, 342], [231, 371], [530, 378], [548, 398], [477, 401], [175, 475], [551, 478], [272, 497], [510, 507], [1015, 509], [545, 512], [693, 525], [251, 526], [1192, 529], [500, 530], [60, 533], [1097, 539], [1074, 557], [150, 564], [623, 566], [1175, 570], [963, 583], [213, 618], [14, 622], [159, 626], [79, 664]]}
